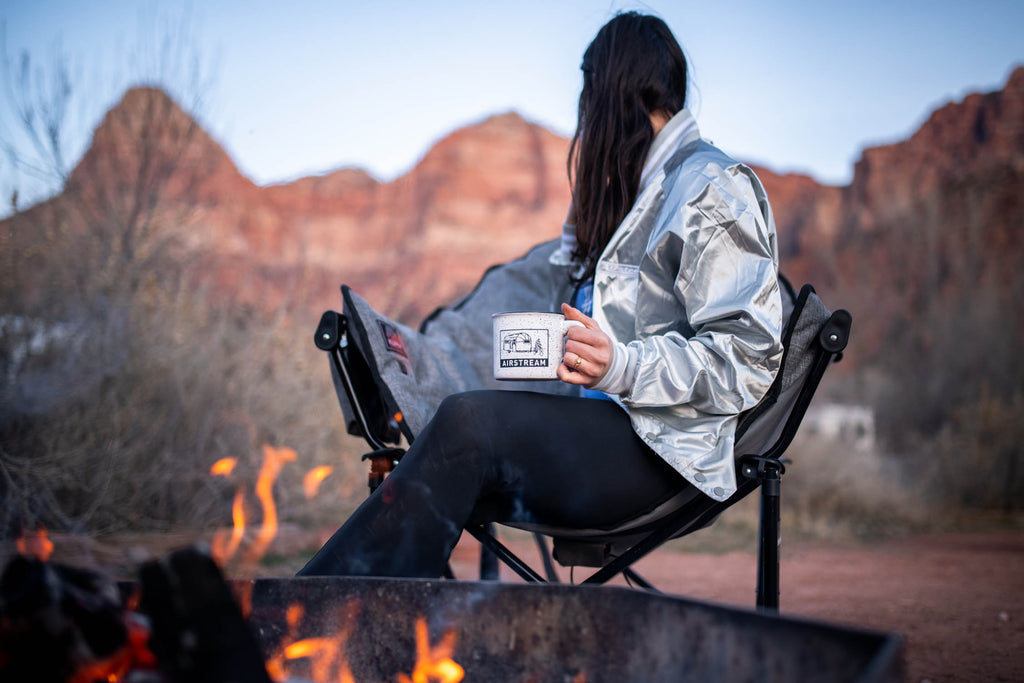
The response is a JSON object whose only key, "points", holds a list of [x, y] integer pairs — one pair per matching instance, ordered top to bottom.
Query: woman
{"points": [[676, 274]]}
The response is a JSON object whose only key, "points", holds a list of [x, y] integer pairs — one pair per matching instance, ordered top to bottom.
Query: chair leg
{"points": [[479, 532], [770, 539], [545, 556], [488, 560], [633, 577]]}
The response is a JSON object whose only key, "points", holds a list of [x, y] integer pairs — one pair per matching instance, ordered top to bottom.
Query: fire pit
{"points": [[184, 619], [381, 628]]}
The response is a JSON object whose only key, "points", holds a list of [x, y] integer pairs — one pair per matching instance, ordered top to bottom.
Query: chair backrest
{"points": [[764, 423]]}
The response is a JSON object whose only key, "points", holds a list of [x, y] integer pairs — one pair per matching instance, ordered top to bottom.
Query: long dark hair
{"points": [[633, 68]]}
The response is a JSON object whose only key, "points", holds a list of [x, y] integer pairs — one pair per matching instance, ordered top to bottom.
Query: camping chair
{"points": [[813, 338]]}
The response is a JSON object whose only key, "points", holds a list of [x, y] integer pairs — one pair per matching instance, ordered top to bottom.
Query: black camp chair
{"points": [[813, 339]]}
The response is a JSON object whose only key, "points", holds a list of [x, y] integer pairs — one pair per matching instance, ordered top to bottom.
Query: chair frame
{"points": [[762, 470]]}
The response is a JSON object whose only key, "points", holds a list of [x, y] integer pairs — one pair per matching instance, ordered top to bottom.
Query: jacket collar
{"points": [[681, 129]]}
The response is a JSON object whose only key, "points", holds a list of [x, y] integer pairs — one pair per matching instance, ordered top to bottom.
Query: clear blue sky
{"points": [[304, 87]]}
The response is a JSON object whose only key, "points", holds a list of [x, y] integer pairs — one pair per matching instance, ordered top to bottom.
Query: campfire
{"points": [[48, 606], [182, 620]]}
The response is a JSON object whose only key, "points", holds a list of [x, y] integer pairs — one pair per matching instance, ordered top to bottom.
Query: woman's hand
{"points": [[588, 351]]}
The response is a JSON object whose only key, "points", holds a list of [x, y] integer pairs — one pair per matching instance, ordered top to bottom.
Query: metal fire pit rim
{"points": [[449, 602], [702, 604], [888, 645]]}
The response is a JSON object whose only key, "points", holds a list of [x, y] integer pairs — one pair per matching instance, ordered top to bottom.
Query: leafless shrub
{"points": [[950, 367], [130, 446], [976, 461], [832, 489]]}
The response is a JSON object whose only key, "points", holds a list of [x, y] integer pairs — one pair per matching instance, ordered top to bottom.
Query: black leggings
{"points": [[501, 456]]}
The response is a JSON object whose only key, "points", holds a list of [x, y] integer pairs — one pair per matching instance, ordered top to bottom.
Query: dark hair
{"points": [[633, 68]]}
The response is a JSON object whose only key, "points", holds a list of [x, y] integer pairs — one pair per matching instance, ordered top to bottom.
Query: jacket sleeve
{"points": [[723, 357]]}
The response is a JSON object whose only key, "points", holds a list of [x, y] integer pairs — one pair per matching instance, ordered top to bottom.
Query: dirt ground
{"points": [[957, 600]]}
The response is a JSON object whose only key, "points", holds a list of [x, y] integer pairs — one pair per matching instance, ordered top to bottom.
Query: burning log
{"points": [[59, 623], [198, 632]]}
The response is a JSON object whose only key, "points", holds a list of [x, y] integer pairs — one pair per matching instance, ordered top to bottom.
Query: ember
{"points": [[35, 544], [62, 623]]}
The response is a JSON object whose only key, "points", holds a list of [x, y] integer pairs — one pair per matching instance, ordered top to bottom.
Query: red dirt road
{"points": [[957, 600]]}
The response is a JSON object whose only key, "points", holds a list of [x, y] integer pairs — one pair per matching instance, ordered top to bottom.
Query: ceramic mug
{"points": [[529, 345]]}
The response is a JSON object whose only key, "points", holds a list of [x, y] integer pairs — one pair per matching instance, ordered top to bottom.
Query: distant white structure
{"points": [[25, 337], [851, 425]]}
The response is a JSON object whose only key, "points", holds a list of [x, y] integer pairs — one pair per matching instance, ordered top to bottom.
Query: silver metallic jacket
{"points": [[689, 284]]}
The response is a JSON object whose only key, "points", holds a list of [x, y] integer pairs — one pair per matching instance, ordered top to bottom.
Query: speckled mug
{"points": [[529, 345]]}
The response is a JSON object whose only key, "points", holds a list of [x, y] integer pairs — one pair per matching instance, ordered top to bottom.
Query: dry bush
{"points": [[933, 290], [123, 380], [952, 404], [127, 420], [976, 461], [832, 489]]}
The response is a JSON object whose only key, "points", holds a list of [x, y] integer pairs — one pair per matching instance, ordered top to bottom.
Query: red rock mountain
{"points": [[482, 195], [900, 231]]}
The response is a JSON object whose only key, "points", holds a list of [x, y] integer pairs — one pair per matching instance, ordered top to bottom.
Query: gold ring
{"points": [[577, 363]]}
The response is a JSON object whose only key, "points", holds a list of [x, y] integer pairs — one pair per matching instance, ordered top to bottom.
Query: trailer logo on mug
{"points": [[529, 345], [524, 348]]}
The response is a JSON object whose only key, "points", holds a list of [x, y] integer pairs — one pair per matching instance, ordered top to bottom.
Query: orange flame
{"points": [[273, 460], [224, 467], [311, 482], [35, 543], [224, 549], [243, 596], [323, 651], [327, 653], [328, 659], [434, 663], [275, 665]]}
